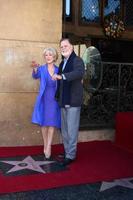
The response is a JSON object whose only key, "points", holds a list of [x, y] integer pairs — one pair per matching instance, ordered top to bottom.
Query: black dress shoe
{"points": [[61, 155], [66, 161]]}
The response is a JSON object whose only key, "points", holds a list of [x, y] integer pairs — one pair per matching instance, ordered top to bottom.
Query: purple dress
{"points": [[46, 109], [51, 109]]}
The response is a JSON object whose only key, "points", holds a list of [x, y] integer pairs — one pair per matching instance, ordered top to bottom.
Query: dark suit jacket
{"points": [[70, 91]]}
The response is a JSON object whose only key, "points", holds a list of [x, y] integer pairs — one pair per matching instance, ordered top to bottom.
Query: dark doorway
{"points": [[114, 50]]}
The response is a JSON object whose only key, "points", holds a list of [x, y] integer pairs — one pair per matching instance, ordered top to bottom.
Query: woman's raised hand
{"points": [[34, 64]]}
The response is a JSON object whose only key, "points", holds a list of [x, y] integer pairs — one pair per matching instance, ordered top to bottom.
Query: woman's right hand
{"points": [[34, 64]]}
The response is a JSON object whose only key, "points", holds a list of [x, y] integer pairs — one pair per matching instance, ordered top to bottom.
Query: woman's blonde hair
{"points": [[53, 51]]}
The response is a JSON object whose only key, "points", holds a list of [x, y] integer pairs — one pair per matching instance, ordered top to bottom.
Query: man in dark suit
{"points": [[69, 95]]}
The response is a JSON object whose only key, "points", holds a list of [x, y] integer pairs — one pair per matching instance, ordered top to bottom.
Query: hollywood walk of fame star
{"points": [[27, 163], [125, 182]]}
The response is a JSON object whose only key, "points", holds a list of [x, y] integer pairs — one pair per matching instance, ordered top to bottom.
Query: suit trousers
{"points": [[70, 119]]}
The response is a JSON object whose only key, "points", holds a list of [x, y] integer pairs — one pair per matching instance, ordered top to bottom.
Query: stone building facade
{"points": [[26, 28]]}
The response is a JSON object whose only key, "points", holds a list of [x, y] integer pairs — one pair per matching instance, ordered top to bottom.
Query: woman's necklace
{"points": [[51, 70]]}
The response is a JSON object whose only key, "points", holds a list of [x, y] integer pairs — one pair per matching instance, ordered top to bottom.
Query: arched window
{"points": [[67, 10], [129, 13]]}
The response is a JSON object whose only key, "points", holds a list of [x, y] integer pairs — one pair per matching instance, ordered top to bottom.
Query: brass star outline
{"points": [[27, 163], [124, 182]]}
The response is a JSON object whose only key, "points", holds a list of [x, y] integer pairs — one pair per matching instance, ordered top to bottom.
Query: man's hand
{"points": [[56, 77]]}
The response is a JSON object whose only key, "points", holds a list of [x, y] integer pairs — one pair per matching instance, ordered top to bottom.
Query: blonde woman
{"points": [[46, 110]]}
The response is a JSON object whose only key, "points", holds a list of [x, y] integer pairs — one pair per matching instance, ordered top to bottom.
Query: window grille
{"points": [[112, 6], [90, 11]]}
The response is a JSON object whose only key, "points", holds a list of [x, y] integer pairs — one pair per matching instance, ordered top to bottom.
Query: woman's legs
{"points": [[51, 131], [48, 133], [45, 137]]}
